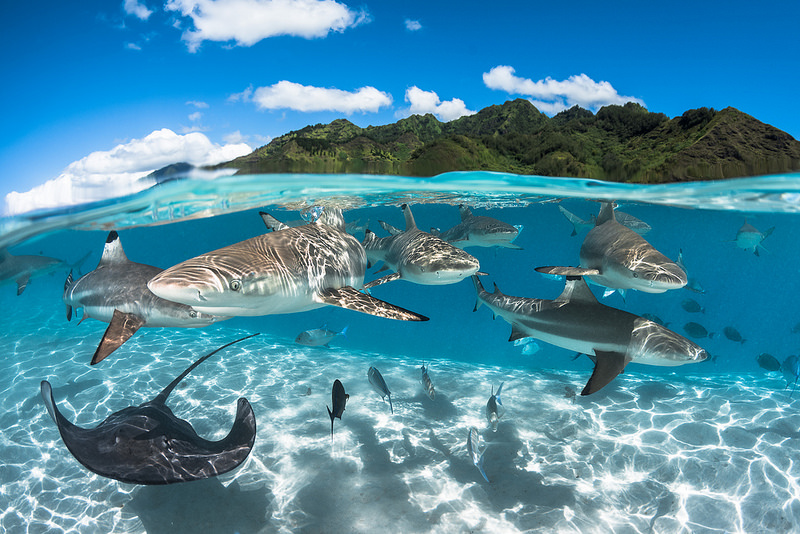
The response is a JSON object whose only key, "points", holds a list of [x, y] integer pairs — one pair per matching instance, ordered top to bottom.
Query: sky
{"points": [[96, 94]]}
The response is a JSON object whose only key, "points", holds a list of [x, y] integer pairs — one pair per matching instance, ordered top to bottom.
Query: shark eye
{"points": [[635, 274], [235, 285], [193, 314]]}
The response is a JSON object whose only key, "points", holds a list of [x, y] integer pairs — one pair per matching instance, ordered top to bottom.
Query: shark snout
{"points": [[193, 287]]}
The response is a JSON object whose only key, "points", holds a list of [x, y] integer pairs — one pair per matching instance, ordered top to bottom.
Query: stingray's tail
{"points": [[162, 397]]}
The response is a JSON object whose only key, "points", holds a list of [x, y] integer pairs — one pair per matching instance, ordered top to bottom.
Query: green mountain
{"points": [[618, 143]]}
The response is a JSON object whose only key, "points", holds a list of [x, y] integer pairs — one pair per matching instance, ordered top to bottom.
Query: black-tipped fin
{"points": [[271, 222], [567, 271], [382, 280], [606, 369]]}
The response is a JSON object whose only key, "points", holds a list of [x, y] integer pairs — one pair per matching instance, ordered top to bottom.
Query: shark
{"points": [[578, 224], [479, 231], [748, 238], [417, 256], [614, 256], [21, 268], [288, 270], [116, 292], [576, 321], [148, 444]]}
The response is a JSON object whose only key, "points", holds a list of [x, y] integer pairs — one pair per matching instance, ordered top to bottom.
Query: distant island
{"points": [[619, 143]]}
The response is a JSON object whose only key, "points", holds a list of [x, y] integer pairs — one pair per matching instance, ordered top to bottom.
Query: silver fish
{"points": [[318, 337], [379, 385], [427, 385], [494, 408], [474, 450]]}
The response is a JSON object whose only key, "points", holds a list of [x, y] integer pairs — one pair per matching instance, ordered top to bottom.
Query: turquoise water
{"points": [[706, 447]]}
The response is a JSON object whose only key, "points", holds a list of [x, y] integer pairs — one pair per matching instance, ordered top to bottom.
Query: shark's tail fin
{"points": [[80, 262], [67, 285], [479, 290], [344, 331], [390, 404], [330, 413]]}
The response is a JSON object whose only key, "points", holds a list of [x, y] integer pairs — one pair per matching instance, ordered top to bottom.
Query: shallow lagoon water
{"points": [[707, 447]]}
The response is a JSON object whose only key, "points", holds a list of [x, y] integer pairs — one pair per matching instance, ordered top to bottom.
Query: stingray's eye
{"points": [[235, 285], [193, 314]]}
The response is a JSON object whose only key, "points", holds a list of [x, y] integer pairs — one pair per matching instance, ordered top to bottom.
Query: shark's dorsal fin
{"points": [[465, 212], [606, 214], [333, 217], [271, 222], [410, 224], [112, 251], [577, 290], [607, 367]]}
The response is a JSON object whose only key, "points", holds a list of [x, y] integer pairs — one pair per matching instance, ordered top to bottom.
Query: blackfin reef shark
{"points": [[417, 256], [614, 256], [289, 270], [116, 292], [576, 321]]}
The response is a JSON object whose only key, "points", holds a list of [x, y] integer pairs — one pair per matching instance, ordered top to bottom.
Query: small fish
{"points": [[748, 238], [692, 284], [691, 306], [655, 318], [696, 330], [733, 334], [318, 337], [768, 362], [791, 371], [379, 385], [427, 385], [570, 393], [338, 399], [494, 408], [473, 448]]}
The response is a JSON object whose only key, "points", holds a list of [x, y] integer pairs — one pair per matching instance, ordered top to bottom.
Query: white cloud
{"points": [[137, 9], [249, 21], [413, 25], [132, 46], [552, 96], [307, 98], [423, 102], [198, 104], [196, 116], [116, 172]]}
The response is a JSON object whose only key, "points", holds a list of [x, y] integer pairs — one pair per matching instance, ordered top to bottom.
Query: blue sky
{"points": [[116, 88]]}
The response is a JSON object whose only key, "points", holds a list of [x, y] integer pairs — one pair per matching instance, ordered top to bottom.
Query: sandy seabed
{"points": [[682, 452]]}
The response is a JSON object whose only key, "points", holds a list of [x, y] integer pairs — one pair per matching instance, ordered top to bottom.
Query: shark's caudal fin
{"points": [[389, 228], [350, 298], [120, 330], [606, 368], [497, 395], [330, 413], [480, 468]]}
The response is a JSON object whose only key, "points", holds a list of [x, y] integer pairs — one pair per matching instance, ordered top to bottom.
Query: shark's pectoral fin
{"points": [[512, 246], [383, 268], [567, 271], [382, 280], [22, 283], [350, 298], [120, 329], [517, 333], [607, 366]]}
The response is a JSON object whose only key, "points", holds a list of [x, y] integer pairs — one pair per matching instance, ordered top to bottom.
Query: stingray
{"points": [[148, 444]]}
